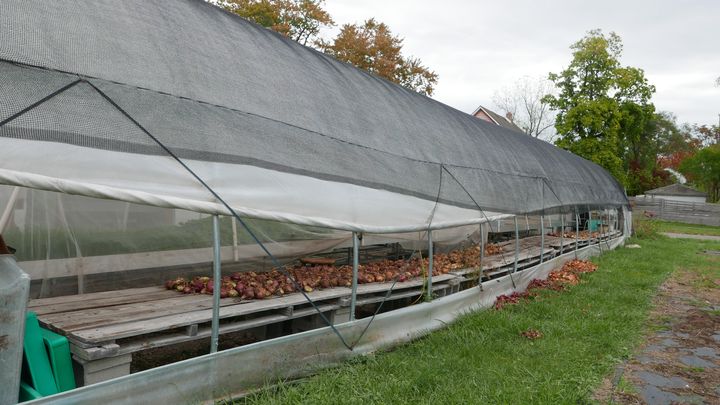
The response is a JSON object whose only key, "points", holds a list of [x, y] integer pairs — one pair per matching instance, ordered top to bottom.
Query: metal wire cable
{"points": [[486, 218], [274, 260], [387, 295]]}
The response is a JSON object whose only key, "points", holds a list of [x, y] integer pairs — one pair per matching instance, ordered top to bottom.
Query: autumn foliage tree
{"points": [[299, 20], [370, 46]]}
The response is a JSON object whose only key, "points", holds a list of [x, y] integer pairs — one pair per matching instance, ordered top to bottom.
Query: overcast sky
{"points": [[478, 47]]}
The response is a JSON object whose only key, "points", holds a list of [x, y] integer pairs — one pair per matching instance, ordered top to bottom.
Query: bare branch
{"points": [[524, 101]]}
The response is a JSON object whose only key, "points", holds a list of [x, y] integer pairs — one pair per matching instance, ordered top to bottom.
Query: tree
{"points": [[300, 20], [372, 47], [523, 102], [603, 109], [707, 134], [676, 143], [703, 169]]}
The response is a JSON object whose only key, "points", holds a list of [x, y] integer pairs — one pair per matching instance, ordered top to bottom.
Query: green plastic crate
{"points": [[58, 350], [37, 372], [28, 393]]}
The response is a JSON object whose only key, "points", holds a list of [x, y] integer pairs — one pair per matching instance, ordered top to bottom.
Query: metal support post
{"points": [[527, 226], [562, 231], [577, 232], [542, 238], [599, 238], [517, 246], [236, 251], [482, 256], [355, 265], [430, 265], [217, 276]]}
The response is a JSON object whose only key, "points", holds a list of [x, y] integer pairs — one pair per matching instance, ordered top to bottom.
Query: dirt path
{"points": [[689, 236], [679, 363]]}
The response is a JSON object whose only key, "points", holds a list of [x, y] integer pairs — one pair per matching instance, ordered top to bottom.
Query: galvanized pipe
{"points": [[562, 231], [599, 231], [577, 232], [542, 238], [517, 246], [236, 251], [482, 256], [355, 265], [430, 265], [217, 276]]}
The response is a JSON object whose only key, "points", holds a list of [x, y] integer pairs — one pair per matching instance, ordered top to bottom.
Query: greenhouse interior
{"points": [[167, 217]]}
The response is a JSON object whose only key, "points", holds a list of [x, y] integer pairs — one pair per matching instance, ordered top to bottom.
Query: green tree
{"points": [[300, 20], [372, 47], [604, 112], [703, 169]]}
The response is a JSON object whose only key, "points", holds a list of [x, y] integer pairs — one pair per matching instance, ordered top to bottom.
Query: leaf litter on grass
{"points": [[568, 274]]}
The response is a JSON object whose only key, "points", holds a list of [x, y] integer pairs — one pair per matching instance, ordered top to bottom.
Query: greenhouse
{"points": [[175, 177]]}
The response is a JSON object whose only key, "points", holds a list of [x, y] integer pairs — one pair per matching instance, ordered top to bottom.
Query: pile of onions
{"points": [[571, 235], [310, 277]]}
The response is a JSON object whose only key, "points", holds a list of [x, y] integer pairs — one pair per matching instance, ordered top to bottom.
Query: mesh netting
{"points": [[287, 133]]}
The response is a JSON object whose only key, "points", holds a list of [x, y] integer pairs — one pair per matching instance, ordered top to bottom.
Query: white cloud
{"points": [[478, 47]]}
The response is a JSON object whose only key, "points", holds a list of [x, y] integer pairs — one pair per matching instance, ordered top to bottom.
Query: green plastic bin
{"points": [[58, 350], [47, 365], [37, 372], [28, 393]]}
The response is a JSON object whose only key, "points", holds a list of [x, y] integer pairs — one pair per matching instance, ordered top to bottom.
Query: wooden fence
{"points": [[688, 212]]}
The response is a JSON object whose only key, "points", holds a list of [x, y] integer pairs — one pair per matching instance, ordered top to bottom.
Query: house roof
{"points": [[498, 119], [678, 190]]}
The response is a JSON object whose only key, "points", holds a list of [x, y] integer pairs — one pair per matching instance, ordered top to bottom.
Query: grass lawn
{"points": [[679, 227], [588, 329]]}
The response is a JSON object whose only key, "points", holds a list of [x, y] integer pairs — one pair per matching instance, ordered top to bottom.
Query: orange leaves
{"points": [[568, 274], [532, 334]]}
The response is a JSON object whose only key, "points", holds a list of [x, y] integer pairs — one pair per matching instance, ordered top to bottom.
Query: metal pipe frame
{"points": [[562, 231], [577, 231], [542, 239], [517, 246], [236, 251], [482, 256], [430, 265], [355, 266], [217, 276]]}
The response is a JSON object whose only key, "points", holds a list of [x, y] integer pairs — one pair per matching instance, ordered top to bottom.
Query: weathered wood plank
{"points": [[159, 294], [42, 302], [83, 319], [132, 328], [144, 342]]}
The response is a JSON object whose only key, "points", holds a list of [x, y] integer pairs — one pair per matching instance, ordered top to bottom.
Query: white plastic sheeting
{"points": [[161, 181]]}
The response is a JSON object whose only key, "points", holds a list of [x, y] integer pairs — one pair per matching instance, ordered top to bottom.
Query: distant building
{"points": [[497, 119], [676, 192]]}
